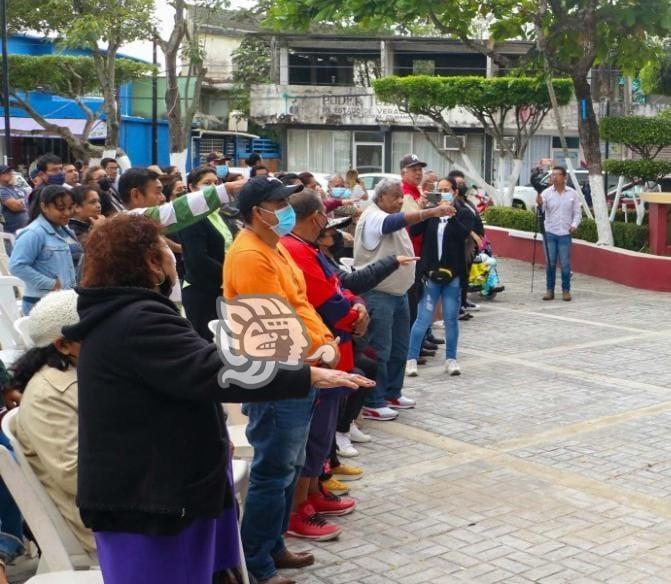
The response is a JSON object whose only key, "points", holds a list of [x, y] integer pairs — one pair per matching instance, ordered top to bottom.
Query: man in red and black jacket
{"points": [[345, 314]]}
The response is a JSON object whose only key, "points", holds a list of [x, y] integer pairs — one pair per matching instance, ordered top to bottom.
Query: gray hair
{"points": [[386, 185]]}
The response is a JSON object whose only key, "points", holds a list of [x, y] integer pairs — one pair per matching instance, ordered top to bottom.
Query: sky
{"points": [[164, 13]]}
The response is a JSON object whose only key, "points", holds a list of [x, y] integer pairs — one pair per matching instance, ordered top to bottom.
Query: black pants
{"points": [[470, 252], [200, 308]]}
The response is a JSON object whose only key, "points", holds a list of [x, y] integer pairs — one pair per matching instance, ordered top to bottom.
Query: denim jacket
{"points": [[42, 254]]}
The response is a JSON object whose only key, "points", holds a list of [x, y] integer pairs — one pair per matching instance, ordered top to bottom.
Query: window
{"points": [[423, 67], [571, 143]]}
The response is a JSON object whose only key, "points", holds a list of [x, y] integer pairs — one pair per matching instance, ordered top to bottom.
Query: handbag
{"points": [[441, 275]]}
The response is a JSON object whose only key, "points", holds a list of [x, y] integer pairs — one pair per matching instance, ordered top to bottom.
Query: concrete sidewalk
{"points": [[548, 460]]}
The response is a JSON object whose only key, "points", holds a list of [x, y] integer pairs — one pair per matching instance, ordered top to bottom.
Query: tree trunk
{"points": [[105, 64], [173, 103], [588, 128], [470, 170], [512, 181]]}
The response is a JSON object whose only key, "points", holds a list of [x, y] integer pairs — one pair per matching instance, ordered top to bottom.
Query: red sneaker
{"points": [[327, 503], [308, 524]]}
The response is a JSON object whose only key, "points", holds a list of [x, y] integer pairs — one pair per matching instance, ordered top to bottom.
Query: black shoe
{"points": [[465, 316], [435, 340], [429, 346], [425, 353]]}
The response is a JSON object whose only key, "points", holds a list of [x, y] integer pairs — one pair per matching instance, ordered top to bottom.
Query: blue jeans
{"points": [[558, 246], [451, 298], [27, 304], [388, 334], [278, 431], [11, 524]]}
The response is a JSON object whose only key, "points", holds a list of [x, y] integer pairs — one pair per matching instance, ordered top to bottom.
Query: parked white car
{"points": [[370, 179]]}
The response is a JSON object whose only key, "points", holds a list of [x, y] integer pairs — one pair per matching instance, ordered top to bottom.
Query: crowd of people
{"points": [[119, 397]]}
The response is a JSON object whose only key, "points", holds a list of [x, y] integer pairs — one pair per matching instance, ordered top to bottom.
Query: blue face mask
{"points": [[222, 170], [56, 179], [339, 193], [448, 197], [286, 218]]}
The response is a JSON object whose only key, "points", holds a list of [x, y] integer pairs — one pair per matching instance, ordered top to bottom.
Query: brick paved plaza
{"points": [[548, 460]]}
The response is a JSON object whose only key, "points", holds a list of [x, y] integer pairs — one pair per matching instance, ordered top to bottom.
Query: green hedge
{"points": [[626, 235]]}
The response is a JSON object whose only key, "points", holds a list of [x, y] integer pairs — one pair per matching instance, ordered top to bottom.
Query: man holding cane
{"points": [[561, 205]]}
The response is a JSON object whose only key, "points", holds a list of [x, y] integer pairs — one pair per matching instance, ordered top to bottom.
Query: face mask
{"points": [[222, 170], [56, 179], [105, 184], [339, 193], [449, 197], [286, 218]]}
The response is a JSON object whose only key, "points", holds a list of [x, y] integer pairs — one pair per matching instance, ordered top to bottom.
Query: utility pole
{"points": [[5, 81], [154, 106]]}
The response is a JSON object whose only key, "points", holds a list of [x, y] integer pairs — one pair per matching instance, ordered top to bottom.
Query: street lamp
{"points": [[5, 80]]}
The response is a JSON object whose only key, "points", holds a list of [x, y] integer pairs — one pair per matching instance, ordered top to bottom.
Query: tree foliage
{"points": [[98, 26], [251, 62], [67, 76], [656, 76], [70, 77], [646, 136], [639, 170]]}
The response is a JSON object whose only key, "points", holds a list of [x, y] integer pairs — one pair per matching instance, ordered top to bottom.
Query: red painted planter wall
{"points": [[639, 270]]}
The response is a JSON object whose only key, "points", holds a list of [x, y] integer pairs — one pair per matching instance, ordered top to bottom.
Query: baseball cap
{"points": [[213, 156], [411, 160], [5, 169], [264, 188]]}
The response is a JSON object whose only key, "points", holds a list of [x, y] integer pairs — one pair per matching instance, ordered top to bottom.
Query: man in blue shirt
{"points": [[13, 204]]}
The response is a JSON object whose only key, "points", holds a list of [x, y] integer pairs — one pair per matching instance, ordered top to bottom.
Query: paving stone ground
{"points": [[548, 460]]}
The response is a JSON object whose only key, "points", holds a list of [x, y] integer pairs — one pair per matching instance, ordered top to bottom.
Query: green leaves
{"points": [[67, 76], [422, 92], [644, 135], [643, 170]]}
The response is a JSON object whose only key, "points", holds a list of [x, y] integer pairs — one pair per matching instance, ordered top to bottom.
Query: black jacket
{"points": [[454, 239], [203, 254], [365, 279], [153, 446]]}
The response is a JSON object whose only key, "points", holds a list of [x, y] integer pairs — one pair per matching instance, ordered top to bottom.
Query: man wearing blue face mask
{"points": [[48, 171], [257, 264]]}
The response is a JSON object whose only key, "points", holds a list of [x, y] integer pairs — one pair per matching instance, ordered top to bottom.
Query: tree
{"points": [[97, 26], [572, 36], [183, 42], [251, 62], [656, 75], [71, 78], [510, 109]]}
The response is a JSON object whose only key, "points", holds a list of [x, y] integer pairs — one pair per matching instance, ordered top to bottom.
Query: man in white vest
{"points": [[380, 232]]}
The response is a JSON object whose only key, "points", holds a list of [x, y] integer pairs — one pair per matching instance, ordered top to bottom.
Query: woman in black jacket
{"points": [[204, 246], [442, 264], [154, 478]]}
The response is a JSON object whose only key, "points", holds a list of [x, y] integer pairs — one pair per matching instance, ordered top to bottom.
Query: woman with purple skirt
{"points": [[154, 480]]}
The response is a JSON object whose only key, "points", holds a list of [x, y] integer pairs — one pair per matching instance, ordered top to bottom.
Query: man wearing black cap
{"points": [[13, 203], [258, 264]]}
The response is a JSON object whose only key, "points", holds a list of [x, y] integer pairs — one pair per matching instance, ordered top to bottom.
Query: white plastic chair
{"points": [[4, 258], [347, 264], [9, 313], [21, 327], [241, 482], [61, 550]]}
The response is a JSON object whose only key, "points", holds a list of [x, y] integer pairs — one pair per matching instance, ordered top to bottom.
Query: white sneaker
{"points": [[471, 306], [439, 324], [452, 367], [411, 368], [401, 403], [382, 414], [356, 435], [344, 444]]}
